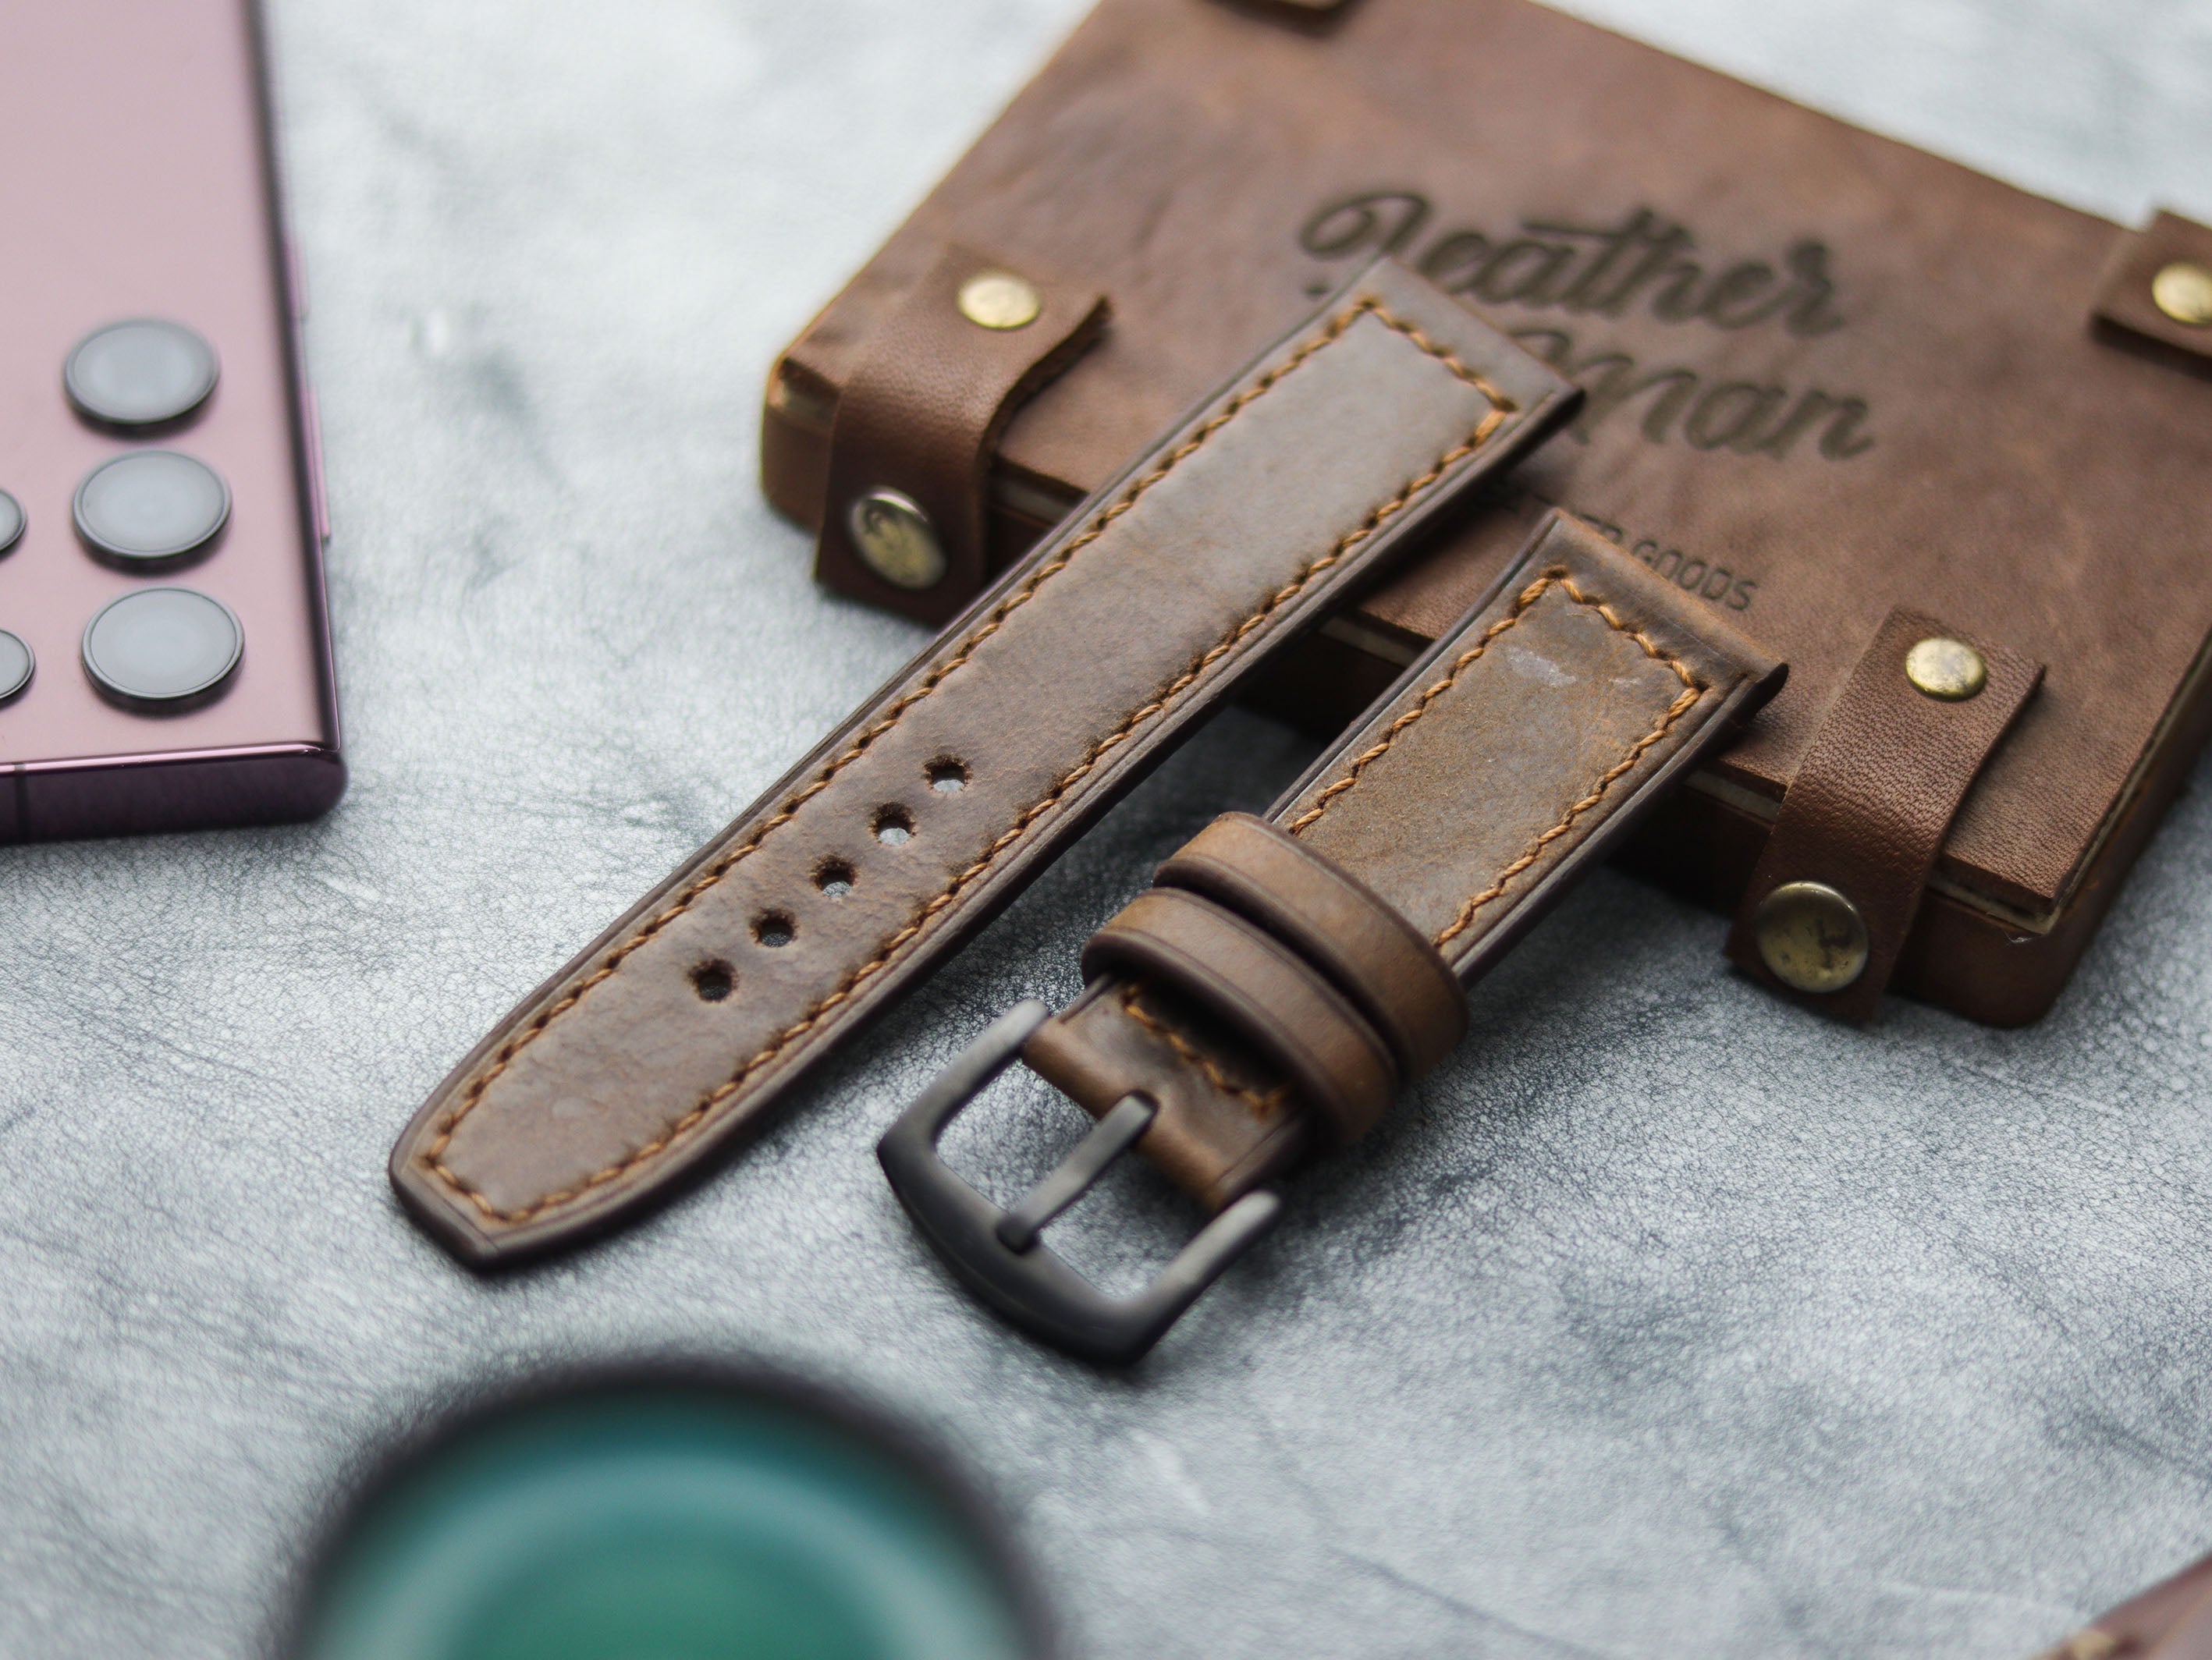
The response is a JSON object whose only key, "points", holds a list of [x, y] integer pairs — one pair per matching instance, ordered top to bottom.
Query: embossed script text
{"points": [[1641, 263]]}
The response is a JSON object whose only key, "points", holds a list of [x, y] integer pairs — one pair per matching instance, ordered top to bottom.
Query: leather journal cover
{"points": [[1857, 399]]}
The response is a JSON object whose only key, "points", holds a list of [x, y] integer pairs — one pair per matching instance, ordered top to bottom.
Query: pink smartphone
{"points": [[165, 657]]}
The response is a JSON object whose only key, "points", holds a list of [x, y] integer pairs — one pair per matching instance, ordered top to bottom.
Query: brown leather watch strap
{"points": [[918, 421], [1465, 804], [930, 808], [1832, 898], [1285, 978]]}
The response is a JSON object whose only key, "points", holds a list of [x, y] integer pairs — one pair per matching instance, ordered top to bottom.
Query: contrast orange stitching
{"points": [[1501, 408], [1692, 690], [1676, 711], [1262, 1105]]}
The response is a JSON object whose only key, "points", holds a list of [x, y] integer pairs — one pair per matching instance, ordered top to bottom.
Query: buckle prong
{"points": [[1071, 1178], [999, 1253]]}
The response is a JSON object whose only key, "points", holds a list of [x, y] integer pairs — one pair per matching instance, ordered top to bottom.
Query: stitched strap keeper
{"points": [[1504, 764], [932, 805], [1832, 899], [1367, 950], [1263, 992]]}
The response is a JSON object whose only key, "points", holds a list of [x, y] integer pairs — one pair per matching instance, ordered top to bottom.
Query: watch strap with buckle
{"points": [[1287, 976], [673, 1033]]}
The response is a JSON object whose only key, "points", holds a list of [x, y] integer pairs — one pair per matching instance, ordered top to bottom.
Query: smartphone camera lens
{"points": [[139, 373], [151, 506], [11, 521], [162, 649], [15, 666]]}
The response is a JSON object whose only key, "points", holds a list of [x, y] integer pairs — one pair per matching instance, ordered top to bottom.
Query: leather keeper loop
{"points": [[918, 422], [1866, 814], [1308, 903], [1264, 993]]}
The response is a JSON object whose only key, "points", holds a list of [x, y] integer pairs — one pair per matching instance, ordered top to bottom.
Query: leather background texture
{"points": [[1663, 1319]]}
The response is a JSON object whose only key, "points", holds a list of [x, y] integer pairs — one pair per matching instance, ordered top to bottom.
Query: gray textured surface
{"points": [[1669, 1322]]}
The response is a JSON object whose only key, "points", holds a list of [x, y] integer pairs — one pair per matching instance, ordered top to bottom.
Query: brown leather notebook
{"points": [[1830, 378]]}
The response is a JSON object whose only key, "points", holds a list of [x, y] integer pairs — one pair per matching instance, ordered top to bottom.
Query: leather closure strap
{"points": [[2158, 286], [919, 419], [933, 805], [1464, 805], [1833, 896]]}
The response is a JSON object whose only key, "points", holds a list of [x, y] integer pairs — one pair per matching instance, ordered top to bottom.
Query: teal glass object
{"points": [[665, 1521]]}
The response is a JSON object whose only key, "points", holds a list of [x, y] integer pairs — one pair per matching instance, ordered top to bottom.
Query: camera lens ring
{"points": [[139, 372], [147, 508], [13, 519], [160, 651], [17, 665]]}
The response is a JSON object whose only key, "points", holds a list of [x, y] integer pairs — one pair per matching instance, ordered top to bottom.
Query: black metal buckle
{"points": [[999, 1252]]}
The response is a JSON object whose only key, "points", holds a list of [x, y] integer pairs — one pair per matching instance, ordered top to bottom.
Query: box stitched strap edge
{"points": [[1591, 683], [1866, 814], [720, 988]]}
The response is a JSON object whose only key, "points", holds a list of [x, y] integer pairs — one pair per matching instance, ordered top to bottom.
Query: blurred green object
{"points": [[665, 1520]]}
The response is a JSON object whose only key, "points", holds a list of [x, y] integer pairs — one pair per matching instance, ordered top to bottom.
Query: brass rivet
{"points": [[2183, 292], [1000, 300], [897, 539], [1948, 669], [1812, 936]]}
